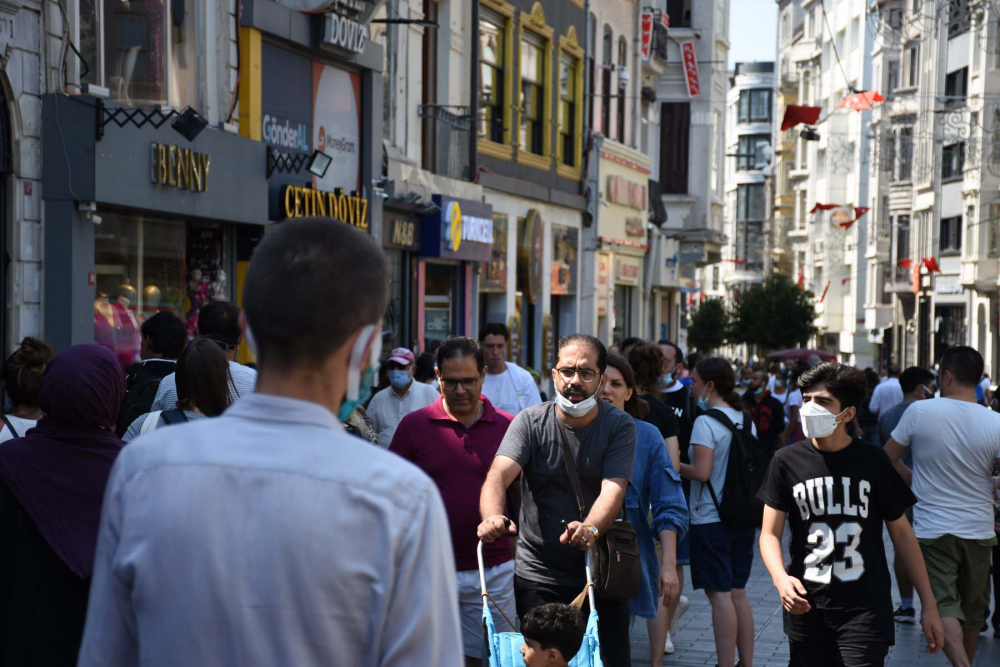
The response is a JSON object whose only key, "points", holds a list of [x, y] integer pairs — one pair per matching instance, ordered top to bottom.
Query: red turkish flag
{"points": [[860, 101], [795, 114], [823, 207], [858, 212], [905, 263], [931, 264], [802, 280], [823, 298]]}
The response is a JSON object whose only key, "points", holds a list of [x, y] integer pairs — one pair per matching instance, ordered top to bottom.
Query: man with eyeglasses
{"points": [[219, 321], [454, 441], [552, 539]]}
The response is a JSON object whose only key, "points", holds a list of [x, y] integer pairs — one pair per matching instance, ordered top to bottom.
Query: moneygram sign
{"points": [[283, 133]]}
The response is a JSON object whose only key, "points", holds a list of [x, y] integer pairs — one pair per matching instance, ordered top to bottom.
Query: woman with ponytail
{"points": [[22, 379], [721, 556]]}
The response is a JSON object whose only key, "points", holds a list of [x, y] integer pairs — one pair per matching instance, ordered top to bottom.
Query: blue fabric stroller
{"points": [[503, 649]]}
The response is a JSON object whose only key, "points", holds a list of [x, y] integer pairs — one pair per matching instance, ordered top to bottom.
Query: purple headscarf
{"points": [[58, 471]]}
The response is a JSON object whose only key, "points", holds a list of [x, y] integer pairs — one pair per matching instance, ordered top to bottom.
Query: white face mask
{"points": [[577, 409], [817, 421]]}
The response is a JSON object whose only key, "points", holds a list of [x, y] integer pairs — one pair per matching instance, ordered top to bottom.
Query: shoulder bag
{"points": [[614, 559]]}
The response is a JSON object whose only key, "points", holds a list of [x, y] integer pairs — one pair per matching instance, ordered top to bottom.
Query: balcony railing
{"points": [[447, 132]]}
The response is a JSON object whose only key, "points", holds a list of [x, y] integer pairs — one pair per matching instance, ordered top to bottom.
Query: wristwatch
{"points": [[594, 530]]}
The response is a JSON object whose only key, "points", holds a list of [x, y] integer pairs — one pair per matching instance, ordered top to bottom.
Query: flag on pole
{"points": [[795, 114]]}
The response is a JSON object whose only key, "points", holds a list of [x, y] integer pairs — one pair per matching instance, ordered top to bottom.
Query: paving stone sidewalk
{"points": [[695, 643]]}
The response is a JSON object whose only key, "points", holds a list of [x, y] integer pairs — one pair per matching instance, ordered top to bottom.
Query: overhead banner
{"points": [[646, 22], [690, 68]]}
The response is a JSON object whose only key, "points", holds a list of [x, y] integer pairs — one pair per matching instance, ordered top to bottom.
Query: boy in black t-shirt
{"points": [[836, 492]]}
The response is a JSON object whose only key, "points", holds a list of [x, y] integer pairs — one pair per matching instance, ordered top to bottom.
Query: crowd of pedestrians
{"points": [[189, 509]]}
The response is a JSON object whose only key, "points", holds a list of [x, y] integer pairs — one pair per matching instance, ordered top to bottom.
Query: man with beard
{"points": [[765, 410], [549, 564]]}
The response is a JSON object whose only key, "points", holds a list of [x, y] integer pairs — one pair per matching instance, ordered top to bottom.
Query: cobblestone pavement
{"points": [[695, 643]]}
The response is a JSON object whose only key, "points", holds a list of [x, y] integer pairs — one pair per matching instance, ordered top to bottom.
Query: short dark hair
{"points": [[301, 294], [220, 320], [494, 329], [167, 334], [629, 343], [456, 347], [602, 352], [678, 352], [964, 363], [647, 364], [423, 370], [892, 370], [23, 371], [913, 377], [203, 378], [846, 383], [634, 406], [557, 626]]}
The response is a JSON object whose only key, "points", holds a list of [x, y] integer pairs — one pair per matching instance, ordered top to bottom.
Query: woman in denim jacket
{"points": [[655, 487]]}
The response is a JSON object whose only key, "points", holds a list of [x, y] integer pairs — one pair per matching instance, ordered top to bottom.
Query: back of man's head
{"points": [[312, 283], [220, 321], [167, 334], [964, 363], [893, 370], [913, 377]]}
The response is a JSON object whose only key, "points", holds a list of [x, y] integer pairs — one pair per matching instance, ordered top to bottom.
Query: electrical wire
{"points": [[833, 44], [239, 63]]}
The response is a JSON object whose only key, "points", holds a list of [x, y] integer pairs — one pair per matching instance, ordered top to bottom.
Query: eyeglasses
{"points": [[586, 374], [468, 383]]}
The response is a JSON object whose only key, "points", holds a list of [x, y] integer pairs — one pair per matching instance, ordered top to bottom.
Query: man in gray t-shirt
{"points": [[549, 565]]}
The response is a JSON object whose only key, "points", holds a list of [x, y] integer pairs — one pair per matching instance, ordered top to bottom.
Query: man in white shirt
{"points": [[219, 321], [508, 386], [888, 393], [400, 398], [955, 443], [269, 536]]}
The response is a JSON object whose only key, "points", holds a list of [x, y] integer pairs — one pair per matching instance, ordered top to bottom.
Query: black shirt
{"points": [[680, 401], [661, 416], [768, 416], [836, 503]]}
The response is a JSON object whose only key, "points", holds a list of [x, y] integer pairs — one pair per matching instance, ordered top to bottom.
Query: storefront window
{"points": [[144, 266], [439, 305], [394, 320]]}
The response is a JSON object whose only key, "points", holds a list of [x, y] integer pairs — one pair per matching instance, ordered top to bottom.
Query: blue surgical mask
{"points": [[360, 372], [399, 379], [758, 391], [703, 401]]}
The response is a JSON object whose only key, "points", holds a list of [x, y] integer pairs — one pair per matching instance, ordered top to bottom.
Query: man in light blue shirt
{"points": [[268, 536]]}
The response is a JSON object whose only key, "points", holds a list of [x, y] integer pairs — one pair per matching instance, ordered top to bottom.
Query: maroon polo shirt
{"points": [[457, 459]]}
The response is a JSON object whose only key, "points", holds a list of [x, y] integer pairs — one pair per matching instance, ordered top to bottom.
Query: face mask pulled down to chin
{"points": [[361, 371], [577, 409]]}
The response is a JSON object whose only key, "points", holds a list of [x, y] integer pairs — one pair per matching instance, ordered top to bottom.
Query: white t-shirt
{"points": [[511, 391], [886, 395], [790, 398], [386, 409], [20, 425], [710, 432], [954, 445]]}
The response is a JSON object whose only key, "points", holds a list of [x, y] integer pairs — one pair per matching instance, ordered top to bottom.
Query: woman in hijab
{"points": [[51, 489]]}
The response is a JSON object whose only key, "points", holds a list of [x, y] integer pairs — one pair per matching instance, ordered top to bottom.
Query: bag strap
{"points": [[175, 416], [722, 418], [151, 422], [10, 427], [574, 475]]}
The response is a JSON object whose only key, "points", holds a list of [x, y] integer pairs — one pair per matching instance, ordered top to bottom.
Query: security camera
{"points": [[622, 77], [93, 217]]}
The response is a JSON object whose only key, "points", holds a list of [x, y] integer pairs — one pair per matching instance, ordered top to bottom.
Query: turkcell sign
{"points": [[284, 133], [460, 229]]}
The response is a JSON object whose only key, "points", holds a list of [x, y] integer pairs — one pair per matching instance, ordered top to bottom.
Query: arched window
{"points": [[607, 62], [622, 62]]}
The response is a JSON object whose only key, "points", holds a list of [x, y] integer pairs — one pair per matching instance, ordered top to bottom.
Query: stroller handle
{"points": [[482, 575]]}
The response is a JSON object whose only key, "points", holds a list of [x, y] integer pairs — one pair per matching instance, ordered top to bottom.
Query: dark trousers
{"points": [[996, 587], [613, 618], [830, 653]]}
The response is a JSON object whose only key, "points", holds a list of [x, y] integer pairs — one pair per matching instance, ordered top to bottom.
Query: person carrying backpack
{"points": [[163, 338], [202, 389], [725, 457]]}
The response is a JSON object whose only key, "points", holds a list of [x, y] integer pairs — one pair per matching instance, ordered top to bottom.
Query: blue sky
{"points": [[753, 26]]}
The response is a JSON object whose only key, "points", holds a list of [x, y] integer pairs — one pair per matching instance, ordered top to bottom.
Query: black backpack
{"points": [[140, 393], [745, 470]]}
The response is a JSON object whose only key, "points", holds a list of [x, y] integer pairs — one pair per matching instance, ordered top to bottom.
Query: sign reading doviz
{"points": [[646, 22], [345, 33], [690, 68]]}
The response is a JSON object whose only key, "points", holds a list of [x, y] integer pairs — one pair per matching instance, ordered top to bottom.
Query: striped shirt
{"points": [[244, 381]]}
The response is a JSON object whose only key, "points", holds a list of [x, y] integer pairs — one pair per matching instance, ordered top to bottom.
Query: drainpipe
{"points": [[474, 93]]}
